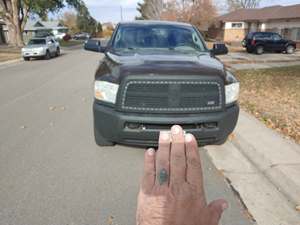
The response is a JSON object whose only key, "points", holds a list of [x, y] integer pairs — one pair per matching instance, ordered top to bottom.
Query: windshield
{"points": [[158, 37], [37, 42]]}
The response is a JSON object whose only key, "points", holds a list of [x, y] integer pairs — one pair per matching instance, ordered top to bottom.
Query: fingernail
{"points": [[176, 129], [164, 135], [188, 137], [150, 151], [224, 206]]}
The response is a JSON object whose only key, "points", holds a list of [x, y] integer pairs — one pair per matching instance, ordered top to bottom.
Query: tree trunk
{"points": [[16, 22], [15, 36]]}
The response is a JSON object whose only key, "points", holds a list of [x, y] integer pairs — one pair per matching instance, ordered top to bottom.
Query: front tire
{"points": [[290, 49], [248, 50], [259, 50], [57, 53], [47, 56], [101, 141]]}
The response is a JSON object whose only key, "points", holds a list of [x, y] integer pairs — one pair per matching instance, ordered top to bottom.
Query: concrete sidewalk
{"points": [[264, 168]]}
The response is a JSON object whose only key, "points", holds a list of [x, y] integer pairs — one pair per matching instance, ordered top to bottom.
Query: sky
{"points": [[110, 10]]}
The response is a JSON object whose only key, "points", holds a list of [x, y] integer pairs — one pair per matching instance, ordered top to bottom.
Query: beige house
{"points": [[284, 20]]}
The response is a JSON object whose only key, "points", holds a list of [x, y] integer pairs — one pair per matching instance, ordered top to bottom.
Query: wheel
{"points": [[290, 49], [248, 50], [259, 50], [57, 53], [47, 56], [26, 58], [101, 141]]}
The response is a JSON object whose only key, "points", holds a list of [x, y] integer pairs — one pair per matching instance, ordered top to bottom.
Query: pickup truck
{"points": [[155, 74]]}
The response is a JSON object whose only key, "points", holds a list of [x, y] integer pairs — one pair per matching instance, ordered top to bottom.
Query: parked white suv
{"points": [[45, 47]]}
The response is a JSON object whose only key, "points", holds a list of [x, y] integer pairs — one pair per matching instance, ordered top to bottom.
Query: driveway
{"points": [[244, 60], [51, 171]]}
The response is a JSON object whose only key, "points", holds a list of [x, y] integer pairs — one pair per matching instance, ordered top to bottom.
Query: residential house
{"points": [[284, 20], [34, 28]]}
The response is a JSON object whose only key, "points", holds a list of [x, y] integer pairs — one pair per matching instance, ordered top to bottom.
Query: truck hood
{"points": [[115, 67]]}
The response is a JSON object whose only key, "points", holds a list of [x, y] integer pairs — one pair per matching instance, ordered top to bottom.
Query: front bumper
{"points": [[33, 53], [141, 129]]}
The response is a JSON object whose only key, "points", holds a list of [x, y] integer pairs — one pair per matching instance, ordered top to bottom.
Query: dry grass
{"points": [[9, 53], [273, 96]]}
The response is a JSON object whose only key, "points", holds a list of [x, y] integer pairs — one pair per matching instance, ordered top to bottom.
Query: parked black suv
{"points": [[260, 42], [157, 74]]}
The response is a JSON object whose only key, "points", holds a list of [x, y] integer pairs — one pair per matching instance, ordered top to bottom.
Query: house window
{"points": [[236, 25], [298, 35]]}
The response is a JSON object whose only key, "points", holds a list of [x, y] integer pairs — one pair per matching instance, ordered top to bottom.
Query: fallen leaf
{"points": [[52, 108], [23, 127], [231, 137], [298, 208], [110, 220]]}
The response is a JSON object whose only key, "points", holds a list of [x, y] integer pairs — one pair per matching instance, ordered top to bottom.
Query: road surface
{"points": [[51, 171]]}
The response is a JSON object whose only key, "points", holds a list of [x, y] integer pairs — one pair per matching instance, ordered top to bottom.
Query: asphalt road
{"points": [[51, 171]]}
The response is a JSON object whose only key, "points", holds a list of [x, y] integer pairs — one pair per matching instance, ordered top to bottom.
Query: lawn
{"points": [[70, 43], [9, 53], [273, 96]]}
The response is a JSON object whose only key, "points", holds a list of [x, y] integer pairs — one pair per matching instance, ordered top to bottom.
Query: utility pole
{"points": [[121, 12]]}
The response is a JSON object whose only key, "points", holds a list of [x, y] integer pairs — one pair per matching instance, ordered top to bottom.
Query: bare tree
{"points": [[238, 4], [150, 9], [198, 12]]}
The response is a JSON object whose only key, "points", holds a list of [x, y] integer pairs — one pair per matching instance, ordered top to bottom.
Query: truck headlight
{"points": [[106, 91], [232, 92]]}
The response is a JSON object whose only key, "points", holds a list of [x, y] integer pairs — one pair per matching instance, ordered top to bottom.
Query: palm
{"points": [[180, 199]]}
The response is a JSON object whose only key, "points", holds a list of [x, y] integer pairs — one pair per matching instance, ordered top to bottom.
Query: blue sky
{"points": [[110, 10]]}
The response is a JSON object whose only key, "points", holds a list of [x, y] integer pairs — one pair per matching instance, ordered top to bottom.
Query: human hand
{"points": [[171, 191]]}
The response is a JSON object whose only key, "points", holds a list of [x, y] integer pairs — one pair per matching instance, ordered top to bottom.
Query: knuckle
{"points": [[163, 144], [177, 158], [162, 163], [194, 163]]}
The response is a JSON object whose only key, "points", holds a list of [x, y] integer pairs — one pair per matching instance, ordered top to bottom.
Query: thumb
{"points": [[216, 208]]}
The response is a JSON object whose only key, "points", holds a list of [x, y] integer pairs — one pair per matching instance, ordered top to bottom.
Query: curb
{"points": [[276, 158], [280, 180]]}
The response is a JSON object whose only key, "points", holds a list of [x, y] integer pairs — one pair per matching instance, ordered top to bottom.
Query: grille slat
{"points": [[172, 96]]}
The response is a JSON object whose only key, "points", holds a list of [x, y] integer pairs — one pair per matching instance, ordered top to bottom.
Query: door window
{"points": [[276, 37]]}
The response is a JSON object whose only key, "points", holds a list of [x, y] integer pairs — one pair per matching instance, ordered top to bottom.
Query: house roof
{"points": [[263, 14], [38, 25]]}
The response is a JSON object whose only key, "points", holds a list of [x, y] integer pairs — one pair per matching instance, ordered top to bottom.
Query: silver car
{"points": [[45, 47]]}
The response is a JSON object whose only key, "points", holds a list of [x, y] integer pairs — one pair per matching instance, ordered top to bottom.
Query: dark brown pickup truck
{"points": [[155, 74]]}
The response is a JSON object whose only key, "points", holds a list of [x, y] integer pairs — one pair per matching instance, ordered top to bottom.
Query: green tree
{"points": [[16, 12], [86, 23]]}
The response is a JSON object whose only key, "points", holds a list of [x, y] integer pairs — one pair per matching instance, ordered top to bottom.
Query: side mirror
{"points": [[49, 42], [93, 45], [219, 49]]}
